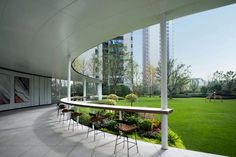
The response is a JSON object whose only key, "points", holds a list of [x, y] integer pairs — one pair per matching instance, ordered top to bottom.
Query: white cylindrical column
{"points": [[69, 78], [84, 90], [99, 91], [164, 94]]}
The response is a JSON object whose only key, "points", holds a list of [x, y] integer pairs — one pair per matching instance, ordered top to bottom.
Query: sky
{"points": [[206, 41]]}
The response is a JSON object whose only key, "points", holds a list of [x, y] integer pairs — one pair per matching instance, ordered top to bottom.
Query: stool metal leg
{"points": [[69, 125], [88, 132], [136, 141], [123, 142], [116, 143], [128, 146]]}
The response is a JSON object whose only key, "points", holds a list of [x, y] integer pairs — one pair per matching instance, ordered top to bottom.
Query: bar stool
{"points": [[59, 108], [63, 113], [75, 119], [95, 119], [124, 128]]}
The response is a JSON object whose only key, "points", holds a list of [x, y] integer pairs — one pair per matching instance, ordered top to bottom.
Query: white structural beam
{"points": [[69, 78], [84, 89], [99, 91], [164, 99]]}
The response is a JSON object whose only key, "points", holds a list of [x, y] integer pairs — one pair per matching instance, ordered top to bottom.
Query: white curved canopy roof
{"points": [[37, 35]]}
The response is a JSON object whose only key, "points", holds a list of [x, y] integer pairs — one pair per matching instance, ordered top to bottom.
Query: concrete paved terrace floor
{"points": [[36, 132]]}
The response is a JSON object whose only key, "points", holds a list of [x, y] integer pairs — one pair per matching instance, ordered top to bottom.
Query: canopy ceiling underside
{"points": [[37, 35]]}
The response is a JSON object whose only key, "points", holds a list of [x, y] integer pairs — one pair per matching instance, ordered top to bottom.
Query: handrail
{"points": [[117, 108]]}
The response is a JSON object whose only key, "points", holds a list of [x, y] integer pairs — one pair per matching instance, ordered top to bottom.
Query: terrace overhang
{"points": [[36, 36]]}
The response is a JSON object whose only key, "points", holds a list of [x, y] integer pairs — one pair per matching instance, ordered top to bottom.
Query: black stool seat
{"points": [[75, 118]]}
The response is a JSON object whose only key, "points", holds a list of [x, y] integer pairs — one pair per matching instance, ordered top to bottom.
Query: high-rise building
{"points": [[170, 40], [150, 46], [146, 54]]}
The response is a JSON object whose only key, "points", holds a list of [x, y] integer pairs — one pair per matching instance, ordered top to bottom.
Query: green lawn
{"points": [[203, 126]]}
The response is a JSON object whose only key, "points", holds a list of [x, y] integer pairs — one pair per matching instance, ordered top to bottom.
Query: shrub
{"points": [[122, 90], [113, 97], [131, 98], [106, 101], [110, 102], [129, 114], [109, 115], [84, 119], [133, 119], [156, 123], [110, 125], [145, 125], [149, 134]]}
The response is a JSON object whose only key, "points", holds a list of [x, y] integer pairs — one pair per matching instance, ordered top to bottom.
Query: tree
{"points": [[116, 59], [81, 65], [94, 65], [132, 74], [177, 77], [151, 79], [229, 81], [223, 83], [194, 85], [204, 90], [131, 98]]}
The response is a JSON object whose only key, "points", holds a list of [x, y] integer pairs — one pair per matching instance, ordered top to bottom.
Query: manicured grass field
{"points": [[203, 126]]}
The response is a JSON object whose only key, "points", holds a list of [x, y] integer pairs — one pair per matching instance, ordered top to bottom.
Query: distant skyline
{"points": [[206, 41]]}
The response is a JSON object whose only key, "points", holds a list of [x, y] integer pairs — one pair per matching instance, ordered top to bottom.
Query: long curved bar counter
{"points": [[117, 108]]}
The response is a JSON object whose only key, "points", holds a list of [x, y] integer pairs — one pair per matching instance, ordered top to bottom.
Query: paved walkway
{"points": [[36, 132]]}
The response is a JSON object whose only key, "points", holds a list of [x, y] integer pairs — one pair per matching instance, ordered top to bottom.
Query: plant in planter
{"points": [[131, 98]]}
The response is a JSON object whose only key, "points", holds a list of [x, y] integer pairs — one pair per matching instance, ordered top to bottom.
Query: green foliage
{"points": [[115, 55], [177, 78], [223, 83], [194, 85], [105, 89], [122, 90], [204, 90], [112, 97], [131, 98], [106, 101], [75, 109], [109, 115], [85, 119], [133, 119], [156, 123], [110, 125], [145, 125], [149, 134], [155, 137], [174, 139]]}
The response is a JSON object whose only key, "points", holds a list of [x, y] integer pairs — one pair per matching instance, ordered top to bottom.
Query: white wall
{"points": [[40, 90]]}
